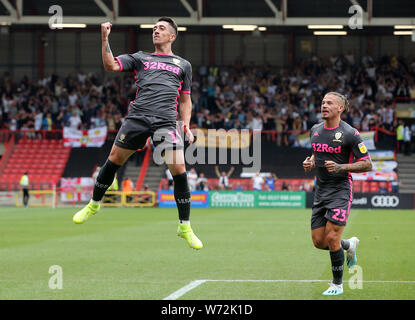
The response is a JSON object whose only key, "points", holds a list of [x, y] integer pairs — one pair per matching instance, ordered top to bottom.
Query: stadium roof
{"points": [[210, 12]]}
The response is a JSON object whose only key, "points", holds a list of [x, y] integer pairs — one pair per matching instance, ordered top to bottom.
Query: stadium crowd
{"points": [[238, 96]]}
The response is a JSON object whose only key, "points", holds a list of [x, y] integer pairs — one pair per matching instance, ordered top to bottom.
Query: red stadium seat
{"points": [[45, 160], [278, 185], [357, 186], [374, 186], [365, 187]]}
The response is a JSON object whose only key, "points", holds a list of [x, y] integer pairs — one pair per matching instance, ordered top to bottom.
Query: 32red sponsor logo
{"points": [[153, 65], [324, 147]]}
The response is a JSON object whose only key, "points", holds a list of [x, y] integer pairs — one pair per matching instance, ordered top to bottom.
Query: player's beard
{"points": [[330, 116]]}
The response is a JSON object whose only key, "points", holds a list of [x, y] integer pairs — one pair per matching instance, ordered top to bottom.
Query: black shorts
{"points": [[134, 133], [336, 211]]}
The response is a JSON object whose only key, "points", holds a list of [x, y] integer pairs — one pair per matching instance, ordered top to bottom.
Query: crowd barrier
{"points": [[54, 198], [211, 199], [283, 200]]}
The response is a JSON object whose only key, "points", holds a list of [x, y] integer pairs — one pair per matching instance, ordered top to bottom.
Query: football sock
{"points": [[104, 180], [182, 196], [345, 244], [337, 264]]}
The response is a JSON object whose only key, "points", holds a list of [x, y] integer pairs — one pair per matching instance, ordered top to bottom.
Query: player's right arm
{"points": [[110, 63], [309, 163]]}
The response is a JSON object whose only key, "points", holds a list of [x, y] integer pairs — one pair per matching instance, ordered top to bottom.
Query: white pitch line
{"points": [[285, 280], [182, 291], [177, 294]]}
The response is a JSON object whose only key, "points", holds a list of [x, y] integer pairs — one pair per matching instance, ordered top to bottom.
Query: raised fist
{"points": [[105, 30]]}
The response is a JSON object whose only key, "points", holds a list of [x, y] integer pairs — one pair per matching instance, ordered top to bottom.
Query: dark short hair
{"points": [[171, 22]]}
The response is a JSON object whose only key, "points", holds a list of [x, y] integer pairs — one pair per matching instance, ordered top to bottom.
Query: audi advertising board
{"points": [[376, 200], [383, 201]]}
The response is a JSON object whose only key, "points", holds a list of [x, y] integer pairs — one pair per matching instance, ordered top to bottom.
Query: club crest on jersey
{"points": [[176, 61], [337, 136], [362, 147]]}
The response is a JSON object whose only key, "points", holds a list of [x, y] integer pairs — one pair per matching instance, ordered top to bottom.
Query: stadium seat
{"points": [[45, 160], [357, 186], [374, 186], [365, 187]]}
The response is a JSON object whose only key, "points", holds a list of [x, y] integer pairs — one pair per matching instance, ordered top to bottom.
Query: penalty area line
{"points": [[194, 284]]}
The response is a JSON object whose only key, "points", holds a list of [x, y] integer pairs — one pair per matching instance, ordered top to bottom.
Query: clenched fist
{"points": [[105, 30], [189, 134], [309, 164], [332, 166]]}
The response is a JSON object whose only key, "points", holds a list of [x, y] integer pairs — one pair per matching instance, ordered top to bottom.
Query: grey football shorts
{"points": [[134, 133]]}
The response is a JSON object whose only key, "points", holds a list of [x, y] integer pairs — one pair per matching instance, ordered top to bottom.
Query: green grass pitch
{"points": [[125, 253]]}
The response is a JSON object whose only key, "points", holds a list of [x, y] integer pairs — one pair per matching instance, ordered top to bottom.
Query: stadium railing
{"points": [[129, 199]]}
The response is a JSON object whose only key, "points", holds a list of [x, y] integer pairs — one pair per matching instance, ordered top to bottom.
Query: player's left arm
{"points": [[185, 100], [185, 112], [359, 150], [359, 166]]}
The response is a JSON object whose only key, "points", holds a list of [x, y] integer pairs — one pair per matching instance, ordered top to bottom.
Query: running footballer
{"points": [[163, 81], [338, 150]]}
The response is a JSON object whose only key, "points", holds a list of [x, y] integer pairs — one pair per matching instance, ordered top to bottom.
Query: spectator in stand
{"points": [[412, 89], [402, 91], [38, 119], [74, 121], [47, 122], [399, 135], [413, 137], [407, 139], [192, 179], [270, 181], [223, 182], [257, 182], [202, 183], [395, 183], [238, 186], [285, 186], [127, 187], [383, 187], [146, 196]]}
